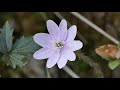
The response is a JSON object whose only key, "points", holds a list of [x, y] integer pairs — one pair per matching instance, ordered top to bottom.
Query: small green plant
{"points": [[110, 53], [15, 54]]}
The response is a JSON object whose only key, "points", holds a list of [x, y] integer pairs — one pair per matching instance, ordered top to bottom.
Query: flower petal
{"points": [[53, 29], [63, 29], [72, 31], [42, 39], [75, 45], [43, 53], [68, 53], [53, 60], [62, 62]]}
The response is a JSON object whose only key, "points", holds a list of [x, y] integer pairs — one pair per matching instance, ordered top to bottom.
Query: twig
{"points": [[79, 16]]}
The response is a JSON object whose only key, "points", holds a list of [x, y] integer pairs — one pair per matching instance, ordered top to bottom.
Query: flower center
{"points": [[59, 44]]}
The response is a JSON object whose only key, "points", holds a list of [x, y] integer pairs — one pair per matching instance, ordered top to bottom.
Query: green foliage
{"points": [[7, 33], [6, 38], [118, 45], [25, 46], [3, 47], [15, 54], [15, 60], [114, 64]]}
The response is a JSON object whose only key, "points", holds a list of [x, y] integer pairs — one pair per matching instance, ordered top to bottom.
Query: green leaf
{"points": [[8, 34], [6, 38], [118, 45], [3, 46], [25, 46], [15, 54], [6, 58], [15, 60], [114, 64]]}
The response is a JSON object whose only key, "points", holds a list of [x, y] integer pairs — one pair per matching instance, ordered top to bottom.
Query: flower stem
{"points": [[70, 72], [48, 73]]}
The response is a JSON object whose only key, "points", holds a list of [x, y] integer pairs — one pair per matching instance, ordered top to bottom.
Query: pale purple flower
{"points": [[59, 45]]}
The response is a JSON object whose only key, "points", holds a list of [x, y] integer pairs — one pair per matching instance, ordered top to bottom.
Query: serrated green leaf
{"points": [[7, 32], [6, 38], [3, 46], [25, 46], [6, 58], [15, 60], [114, 64]]}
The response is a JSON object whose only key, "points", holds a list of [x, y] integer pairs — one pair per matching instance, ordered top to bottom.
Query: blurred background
{"points": [[87, 65]]}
